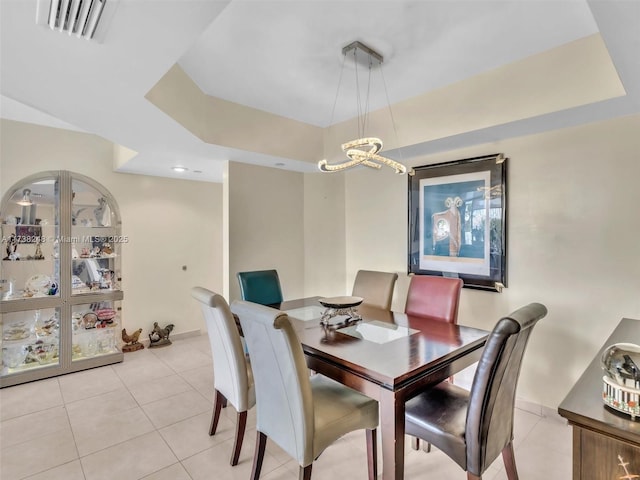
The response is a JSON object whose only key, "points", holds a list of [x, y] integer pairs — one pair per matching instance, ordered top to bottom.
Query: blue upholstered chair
{"points": [[262, 286]]}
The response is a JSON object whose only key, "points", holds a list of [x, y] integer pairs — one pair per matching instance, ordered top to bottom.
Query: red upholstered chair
{"points": [[434, 297]]}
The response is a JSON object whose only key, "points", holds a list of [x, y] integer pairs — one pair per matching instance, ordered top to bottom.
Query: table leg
{"points": [[392, 432]]}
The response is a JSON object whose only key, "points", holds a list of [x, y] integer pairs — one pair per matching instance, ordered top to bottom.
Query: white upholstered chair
{"points": [[232, 376], [302, 414]]}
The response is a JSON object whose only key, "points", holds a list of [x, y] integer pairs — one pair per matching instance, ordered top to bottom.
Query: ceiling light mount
{"points": [[370, 55], [364, 149], [25, 201]]}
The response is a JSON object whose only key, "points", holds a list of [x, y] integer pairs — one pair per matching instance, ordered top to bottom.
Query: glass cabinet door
{"points": [[30, 227], [96, 241], [96, 328], [30, 340]]}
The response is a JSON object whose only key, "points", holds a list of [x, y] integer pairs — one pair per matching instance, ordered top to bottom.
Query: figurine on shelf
{"points": [[102, 213], [75, 215], [12, 246], [38, 255], [105, 278], [159, 337], [132, 343]]}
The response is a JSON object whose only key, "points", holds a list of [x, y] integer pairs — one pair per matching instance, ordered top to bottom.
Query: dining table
{"points": [[388, 356]]}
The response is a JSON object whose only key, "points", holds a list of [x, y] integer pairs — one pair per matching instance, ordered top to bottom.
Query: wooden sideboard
{"points": [[602, 436]]}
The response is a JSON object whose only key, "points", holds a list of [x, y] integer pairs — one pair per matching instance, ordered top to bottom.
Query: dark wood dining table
{"points": [[387, 356]]}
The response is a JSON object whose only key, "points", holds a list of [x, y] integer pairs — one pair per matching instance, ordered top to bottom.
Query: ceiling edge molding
{"points": [[228, 124]]}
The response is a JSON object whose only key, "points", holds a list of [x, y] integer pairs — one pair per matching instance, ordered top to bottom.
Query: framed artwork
{"points": [[457, 221]]}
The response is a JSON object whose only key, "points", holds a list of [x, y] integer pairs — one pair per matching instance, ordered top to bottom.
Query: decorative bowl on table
{"points": [[340, 302], [342, 307], [621, 390]]}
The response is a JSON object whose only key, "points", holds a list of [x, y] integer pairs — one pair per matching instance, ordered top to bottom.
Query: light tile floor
{"points": [[148, 417]]}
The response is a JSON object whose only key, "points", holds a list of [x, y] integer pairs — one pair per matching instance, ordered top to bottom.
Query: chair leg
{"points": [[217, 406], [261, 443], [415, 443], [237, 446], [372, 453], [510, 462], [305, 472]]}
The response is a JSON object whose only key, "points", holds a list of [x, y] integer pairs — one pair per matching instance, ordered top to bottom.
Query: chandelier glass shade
{"points": [[365, 149], [358, 156]]}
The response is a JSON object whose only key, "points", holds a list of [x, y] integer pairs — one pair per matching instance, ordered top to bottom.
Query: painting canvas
{"points": [[457, 221]]}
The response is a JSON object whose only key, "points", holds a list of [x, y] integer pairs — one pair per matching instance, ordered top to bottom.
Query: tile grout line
{"points": [[73, 435]]}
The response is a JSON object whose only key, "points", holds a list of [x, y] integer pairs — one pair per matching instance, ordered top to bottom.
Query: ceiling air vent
{"points": [[76, 17]]}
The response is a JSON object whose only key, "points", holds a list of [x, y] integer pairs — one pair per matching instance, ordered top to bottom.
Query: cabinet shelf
{"points": [[42, 225], [106, 257], [28, 260]]}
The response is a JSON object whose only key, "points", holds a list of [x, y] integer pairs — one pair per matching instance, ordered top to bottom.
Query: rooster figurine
{"points": [[159, 337], [131, 341]]}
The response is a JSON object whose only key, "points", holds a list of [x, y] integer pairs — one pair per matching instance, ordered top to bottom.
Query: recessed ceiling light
{"points": [[179, 168]]}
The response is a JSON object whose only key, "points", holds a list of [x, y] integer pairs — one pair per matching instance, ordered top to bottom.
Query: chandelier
{"points": [[364, 150]]}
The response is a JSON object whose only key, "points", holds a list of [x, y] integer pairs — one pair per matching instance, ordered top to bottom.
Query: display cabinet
{"points": [[60, 280]]}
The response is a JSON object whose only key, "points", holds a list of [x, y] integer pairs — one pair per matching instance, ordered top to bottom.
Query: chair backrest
{"points": [[261, 286], [376, 288], [434, 297], [229, 363], [283, 391], [489, 425]]}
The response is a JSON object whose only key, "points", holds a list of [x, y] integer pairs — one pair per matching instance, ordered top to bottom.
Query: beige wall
{"points": [[289, 221], [170, 223], [266, 225], [573, 231], [324, 235]]}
